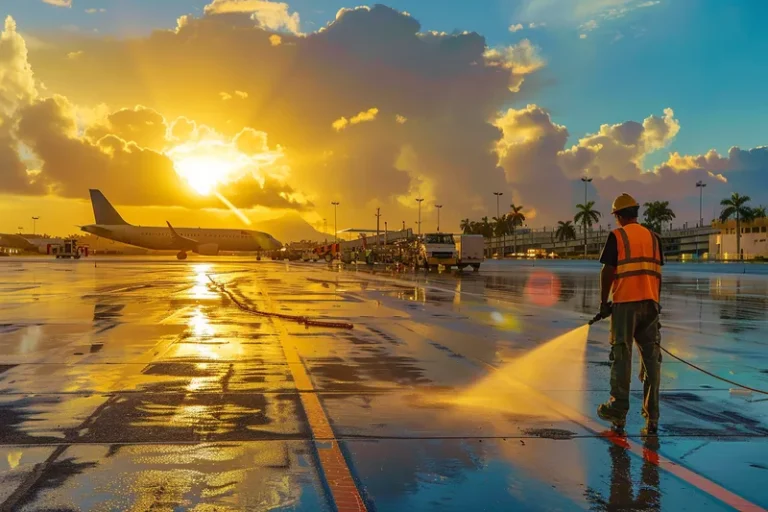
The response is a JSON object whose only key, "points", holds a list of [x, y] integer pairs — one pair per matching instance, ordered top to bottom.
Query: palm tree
{"points": [[736, 206], [759, 212], [656, 214], [587, 217], [515, 218], [466, 226], [500, 226], [486, 227], [565, 231]]}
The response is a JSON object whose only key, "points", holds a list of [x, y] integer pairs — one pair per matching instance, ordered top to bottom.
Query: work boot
{"points": [[608, 413], [651, 428]]}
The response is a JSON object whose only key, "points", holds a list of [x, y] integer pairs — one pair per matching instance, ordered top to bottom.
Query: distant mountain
{"points": [[291, 227]]}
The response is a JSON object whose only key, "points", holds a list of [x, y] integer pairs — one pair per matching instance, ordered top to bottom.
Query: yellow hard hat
{"points": [[623, 201]]}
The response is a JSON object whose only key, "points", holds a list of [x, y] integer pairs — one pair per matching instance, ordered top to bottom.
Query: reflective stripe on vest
{"points": [[638, 270]]}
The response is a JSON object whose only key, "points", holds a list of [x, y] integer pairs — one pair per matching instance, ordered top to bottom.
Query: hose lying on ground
{"points": [[600, 316], [293, 318], [702, 370]]}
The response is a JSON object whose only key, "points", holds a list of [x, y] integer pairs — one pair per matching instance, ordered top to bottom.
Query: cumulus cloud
{"points": [[59, 3], [94, 11], [270, 15], [515, 27], [275, 40], [74, 55], [520, 59], [17, 81], [143, 126], [442, 129], [619, 150], [133, 175]]}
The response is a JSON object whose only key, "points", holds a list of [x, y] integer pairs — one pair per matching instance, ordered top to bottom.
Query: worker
{"points": [[632, 260]]}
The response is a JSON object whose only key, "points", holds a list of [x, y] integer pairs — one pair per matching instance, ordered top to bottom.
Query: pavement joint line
{"points": [[363, 437], [652, 456], [334, 467]]}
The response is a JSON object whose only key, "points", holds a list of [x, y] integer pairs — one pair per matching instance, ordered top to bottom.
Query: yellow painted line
{"points": [[344, 492]]}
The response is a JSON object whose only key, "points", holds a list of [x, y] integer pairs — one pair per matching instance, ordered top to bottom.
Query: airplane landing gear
{"points": [[181, 256]]}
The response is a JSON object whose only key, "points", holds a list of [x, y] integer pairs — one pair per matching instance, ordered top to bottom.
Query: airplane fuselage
{"points": [[162, 238]]}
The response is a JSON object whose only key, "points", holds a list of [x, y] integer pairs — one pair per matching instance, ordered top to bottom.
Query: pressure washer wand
{"points": [[599, 316]]}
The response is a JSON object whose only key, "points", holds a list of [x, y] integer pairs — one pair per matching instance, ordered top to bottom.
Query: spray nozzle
{"points": [[605, 312], [596, 319]]}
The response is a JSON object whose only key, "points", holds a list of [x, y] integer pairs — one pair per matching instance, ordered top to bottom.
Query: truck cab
{"points": [[437, 249]]}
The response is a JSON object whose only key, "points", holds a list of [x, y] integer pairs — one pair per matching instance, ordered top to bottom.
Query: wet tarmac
{"points": [[135, 384]]}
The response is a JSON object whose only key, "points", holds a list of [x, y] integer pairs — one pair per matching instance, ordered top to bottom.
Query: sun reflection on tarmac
{"points": [[201, 288]]}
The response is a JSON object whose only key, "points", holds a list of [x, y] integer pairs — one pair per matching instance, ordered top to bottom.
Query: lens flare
{"points": [[542, 288]]}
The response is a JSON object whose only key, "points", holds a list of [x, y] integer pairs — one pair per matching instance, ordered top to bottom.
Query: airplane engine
{"points": [[207, 249]]}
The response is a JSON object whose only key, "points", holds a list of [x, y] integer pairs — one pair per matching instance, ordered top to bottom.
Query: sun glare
{"points": [[206, 164]]}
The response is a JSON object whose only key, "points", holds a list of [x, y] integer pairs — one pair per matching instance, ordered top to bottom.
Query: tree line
{"points": [[656, 214]]}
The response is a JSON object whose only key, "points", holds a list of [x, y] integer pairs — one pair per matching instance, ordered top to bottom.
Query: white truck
{"points": [[437, 249], [471, 249]]}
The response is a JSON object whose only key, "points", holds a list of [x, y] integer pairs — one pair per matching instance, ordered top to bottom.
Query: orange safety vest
{"points": [[638, 272]]}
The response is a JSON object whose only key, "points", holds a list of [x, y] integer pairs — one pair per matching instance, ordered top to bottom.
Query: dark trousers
{"points": [[638, 321]]}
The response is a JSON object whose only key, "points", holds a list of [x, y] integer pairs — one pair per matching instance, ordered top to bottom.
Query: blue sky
{"points": [[700, 57]]}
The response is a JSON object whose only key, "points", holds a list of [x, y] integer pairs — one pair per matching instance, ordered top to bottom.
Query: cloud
{"points": [[59, 3], [94, 11], [565, 12], [269, 15], [533, 25], [588, 26], [515, 28], [582, 36], [275, 40], [75, 55], [520, 59], [17, 81], [241, 94], [225, 96], [362, 117], [400, 119], [143, 126], [619, 150], [528, 153]]}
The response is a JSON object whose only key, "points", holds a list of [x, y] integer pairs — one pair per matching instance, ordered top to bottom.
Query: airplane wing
{"points": [[98, 231], [181, 242]]}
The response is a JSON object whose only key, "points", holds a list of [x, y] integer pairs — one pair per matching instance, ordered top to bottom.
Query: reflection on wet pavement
{"points": [[135, 385]]}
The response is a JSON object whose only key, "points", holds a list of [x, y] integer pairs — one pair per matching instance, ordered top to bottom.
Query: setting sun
{"points": [[206, 164]]}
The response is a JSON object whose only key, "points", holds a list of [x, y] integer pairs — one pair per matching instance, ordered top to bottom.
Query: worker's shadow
{"points": [[622, 494]]}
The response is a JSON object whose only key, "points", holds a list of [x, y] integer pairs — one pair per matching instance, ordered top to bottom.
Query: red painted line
{"points": [[708, 486]]}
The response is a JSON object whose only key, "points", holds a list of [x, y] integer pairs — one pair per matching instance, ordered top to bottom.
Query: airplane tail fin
{"points": [[103, 211]]}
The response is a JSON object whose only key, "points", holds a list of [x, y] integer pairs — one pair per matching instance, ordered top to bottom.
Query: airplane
{"points": [[207, 242]]}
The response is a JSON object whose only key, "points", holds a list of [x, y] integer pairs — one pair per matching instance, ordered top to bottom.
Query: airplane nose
{"points": [[275, 243]]}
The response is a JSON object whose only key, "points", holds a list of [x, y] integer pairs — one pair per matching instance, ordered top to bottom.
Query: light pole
{"points": [[585, 180], [700, 185], [419, 200], [438, 206], [378, 219], [335, 222], [34, 224], [403, 225], [325, 229]]}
